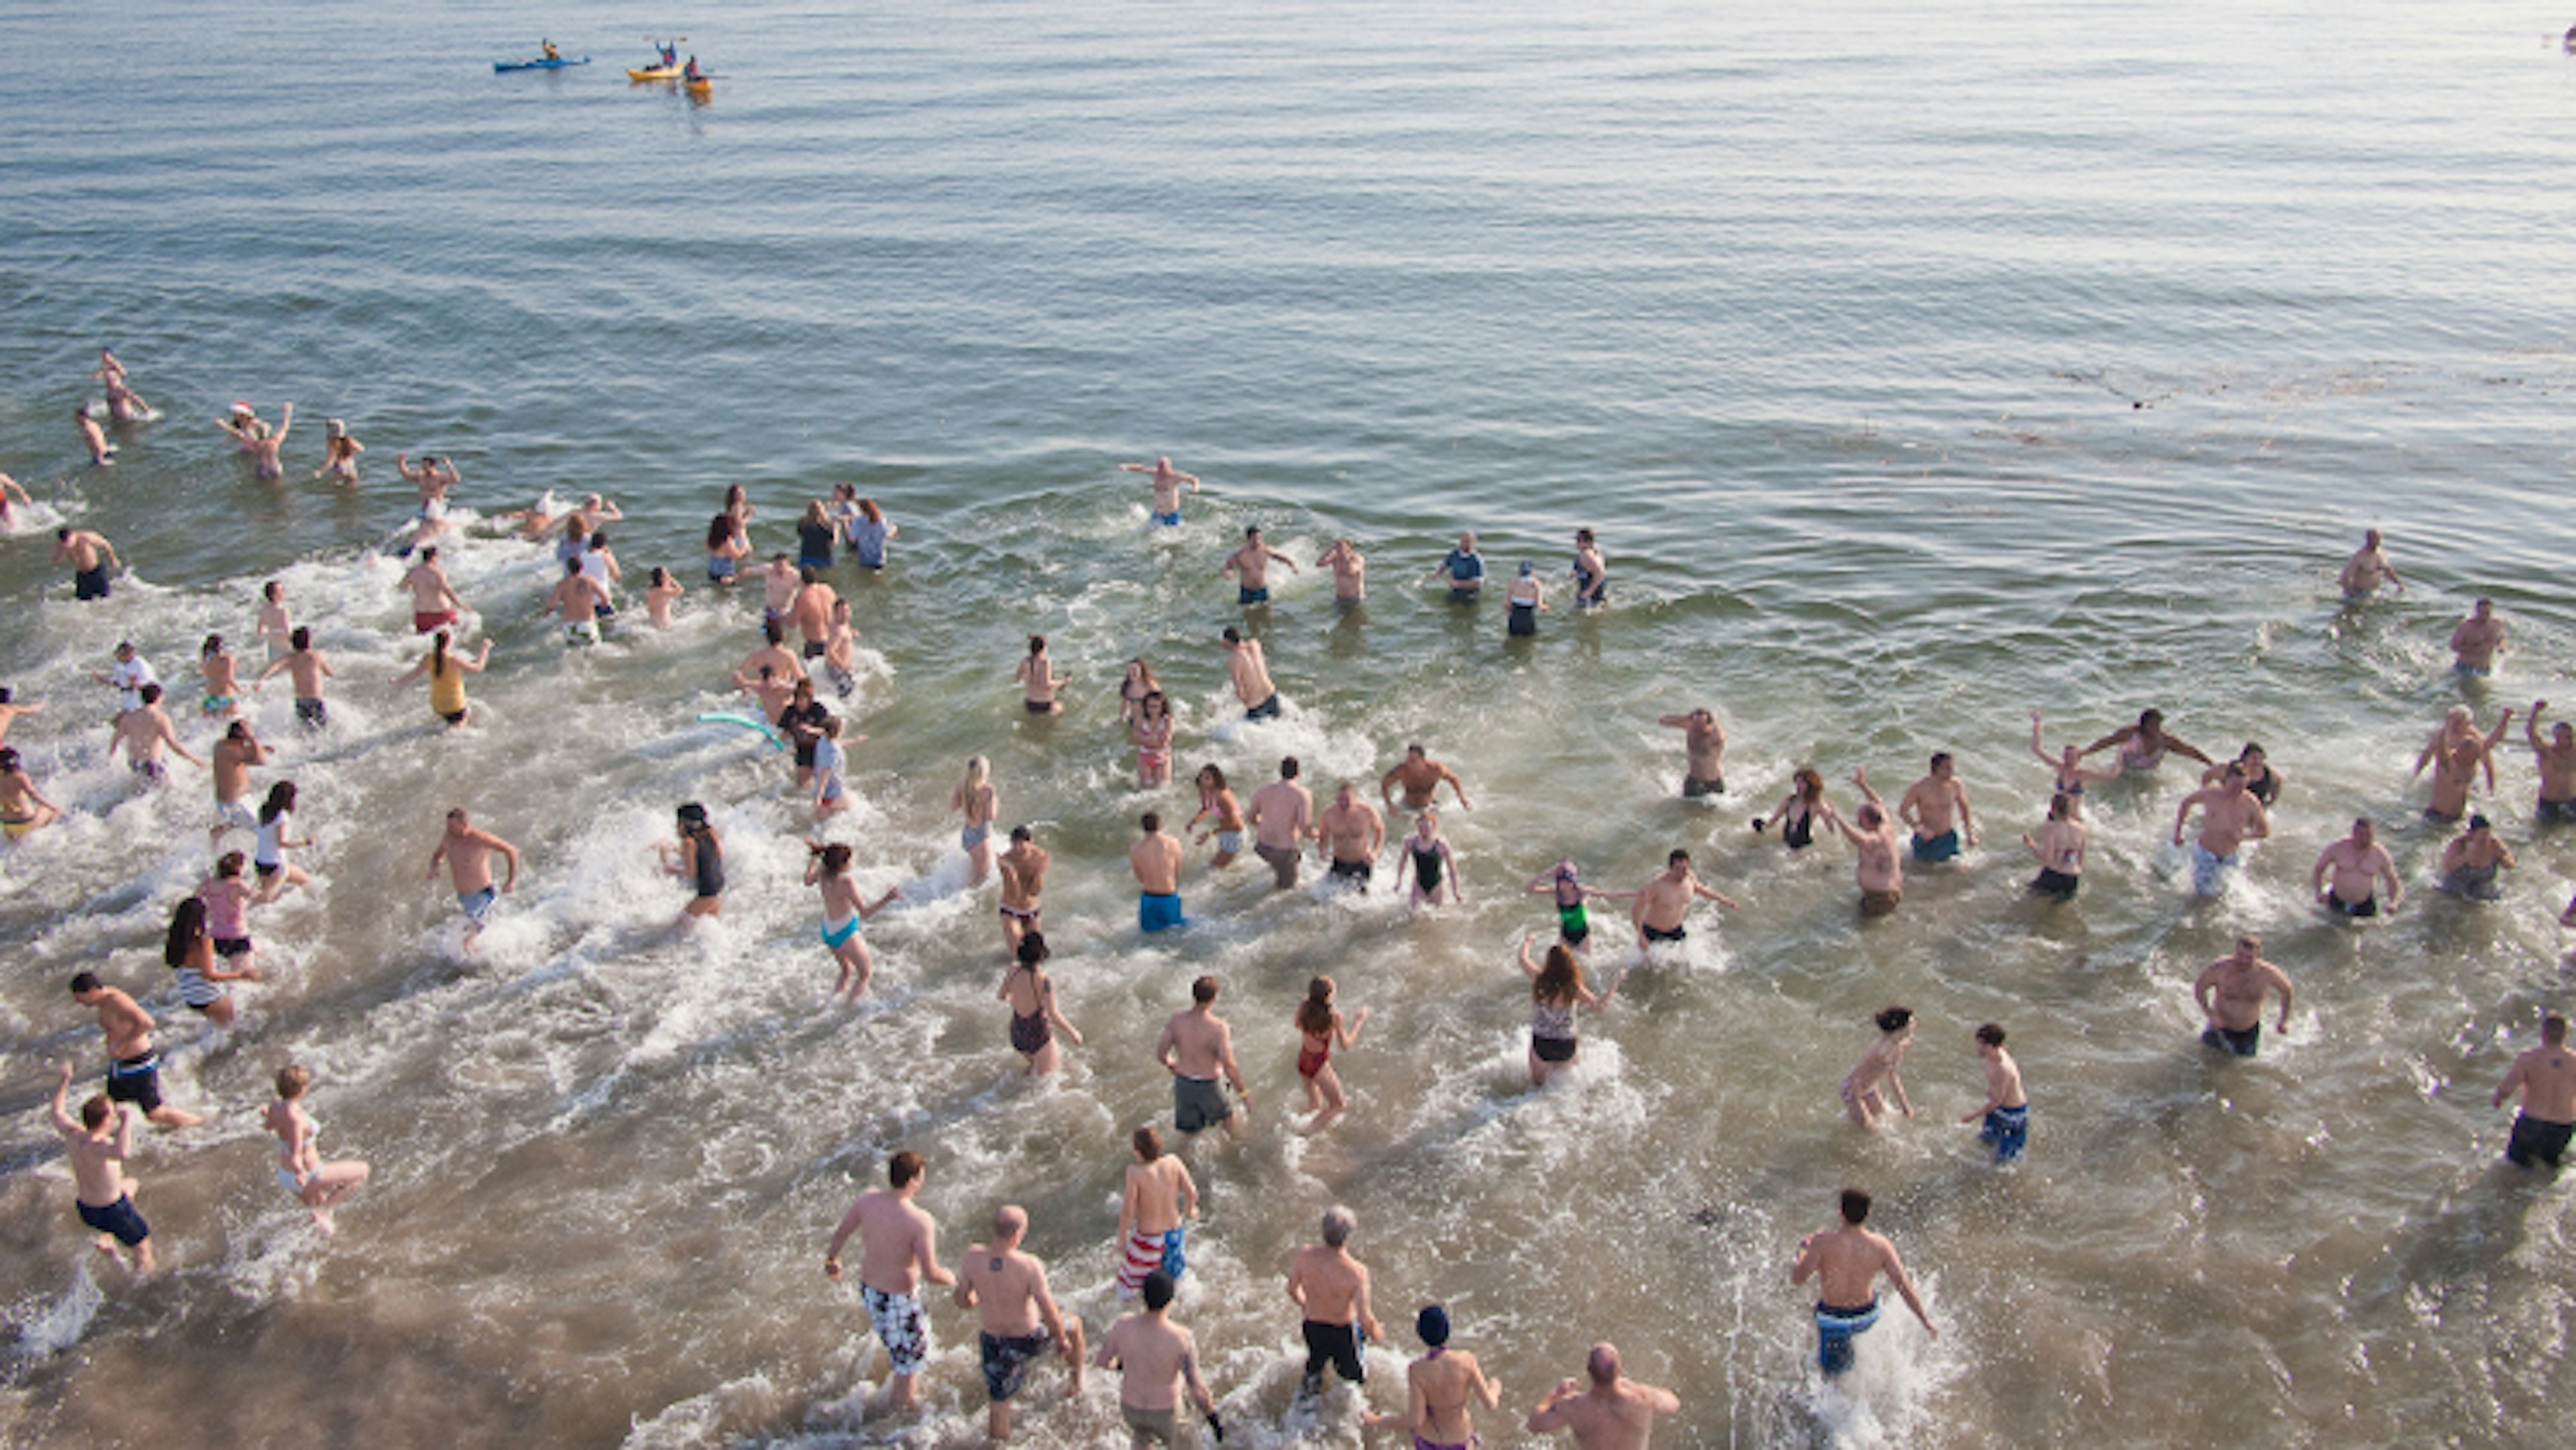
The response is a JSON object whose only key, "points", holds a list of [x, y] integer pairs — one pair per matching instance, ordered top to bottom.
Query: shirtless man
{"points": [[93, 437], [433, 478], [1167, 482], [91, 557], [1250, 566], [2367, 569], [1350, 572], [779, 581], [578, 602], [434, 605], [812, 611], [274, 625], [2475, 641], [306, 668], [770, 672], [1250, 675], [1039, 680], [142, 732], [1704, 743], [2145, 745], [2457, 752], [2555, 758], [231, 760], [1421, 777], [1928, 806], [23, 808], [1282, 814], [2229, 817], [1350, 832], [467, 850], [2472, 859], [1156, 860], [1023, 867], [2348, 873], [1880, 875], [1664, 901], [2230, 993], [1196, 1045], [133, 1068], [2546, 1078], [1861, 1096], [2006, 1110], [98, 1144], [1153, 1208], [898, 1250], [1845, 1261], [1007, 1287], [1332, 1288], [1157, 1361], [1438, 1387], [1614, 1413]]}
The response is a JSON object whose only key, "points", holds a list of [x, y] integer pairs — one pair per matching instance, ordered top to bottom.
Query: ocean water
{"points": [[1917, 367]]}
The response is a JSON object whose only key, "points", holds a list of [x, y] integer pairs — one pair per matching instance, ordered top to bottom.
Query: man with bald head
{"points": [[1007, 1287], [1612, 1413]]}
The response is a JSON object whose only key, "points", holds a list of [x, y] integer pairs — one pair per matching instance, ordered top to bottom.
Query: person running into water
{"points": [[339, 452], [1166, 482], [92, 559], [1250, 566], [2367, 569], [434, 603], [579, 603], [2476, 640], [306, 668], [221, 671], [1249, 672], [446, 675], [1151, 731], [141, 732], [2145, 745], [1704, 747], [2457, 752], [2556, 761], [229, 763], [2068, 764], [1420, 777], [2261, 780], [1216, 798], [979, 801], [23, 808], [1937, 808], [1798, 811], [1282, 817], [2229, 817], [1350, 832], [270, 844], [2059, 849], [467, 851], [1427, 855], [697, 857], [2472, 859], [1156, 860], [1023, 868], [1876, 869], [2348, 873], [1571, 899], [228, 901], [1664, 902], [844, 907], [189, 952], [1556, 989], [2230, 994], [1035, 1017], [1320, 1029], [1195, 1047], [133, 1067], [2546, 1078], [1861, 1093], [2006, 1110], [98, 1144], [307, 1179], [1153, 1208], [898, 1252], [1846, 1262], [1330, 1286], [1016, 1314], [1157, 1362], [1437, 1389], [1613, 1413]]}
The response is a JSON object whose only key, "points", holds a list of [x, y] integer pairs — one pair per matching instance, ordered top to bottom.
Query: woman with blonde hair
{"points": [[981, 802], [308, 1180]]}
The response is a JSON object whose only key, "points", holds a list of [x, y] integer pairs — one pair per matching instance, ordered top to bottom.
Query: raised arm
{"points": [[65, 1123]]}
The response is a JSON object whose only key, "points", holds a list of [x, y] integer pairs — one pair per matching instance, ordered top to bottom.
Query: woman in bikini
{"points": [[223, 680], [1132, 690], [1152, 732], [2072, 777], [1217, 798], [981, 802], [844, 907], [190, 951], [1035, 1018], [1320, 1028], [308, 1180], [1437, 1389]]}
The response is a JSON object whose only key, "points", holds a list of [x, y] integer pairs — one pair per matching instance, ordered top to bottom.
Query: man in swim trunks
{"points": [[1166, 481], [91, 557], [1250, 566], [2367, 569], [1463, 571], [1350, 572], [779, 581], [576, 601], [434, 605], [812, 611], [2476, 639], [306, 668], [1249, 673], [142, 732], [1704, 744], [2145, 745], [2457, 752], [2556, 759], [230, 763], [1421, 777], [1937, 808], [1282, 814], [2229, 817], [1350, 832], [467, 850], [2472, 859], [1156, 860], [1023, 867], [2348, 872], [1880, 875], [1664, 901], [2230, 993], [1195, 1047], [133, 1068], [2546, 1078], [2005, 1113], [98, 1143], [1158, 1198], [898, 1250], [1846, 1261], [1332, 1288], [1016, 1314], [1157, 1361], [1613, 1413]]}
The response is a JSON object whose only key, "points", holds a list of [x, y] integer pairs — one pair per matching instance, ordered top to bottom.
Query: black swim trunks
{"points": [[1359, 871], [2050, 882], [2367, 906], [1656, 933], [2243, 1044], [136, 1080], [2535, 1138], [1337, 1345], [1006, 1361]]}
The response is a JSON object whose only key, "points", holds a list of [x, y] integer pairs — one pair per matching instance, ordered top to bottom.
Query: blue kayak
{"points": [[558, 64]]}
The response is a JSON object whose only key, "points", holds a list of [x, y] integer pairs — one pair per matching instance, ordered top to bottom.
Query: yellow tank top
{"points": [[446, 689]]}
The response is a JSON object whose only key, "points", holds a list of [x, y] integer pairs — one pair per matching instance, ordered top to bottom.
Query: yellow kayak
{"points": [[655, 73], [701, 87]]}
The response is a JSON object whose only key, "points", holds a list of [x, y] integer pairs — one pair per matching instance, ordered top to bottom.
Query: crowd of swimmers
{"points": [[209, 945]]}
